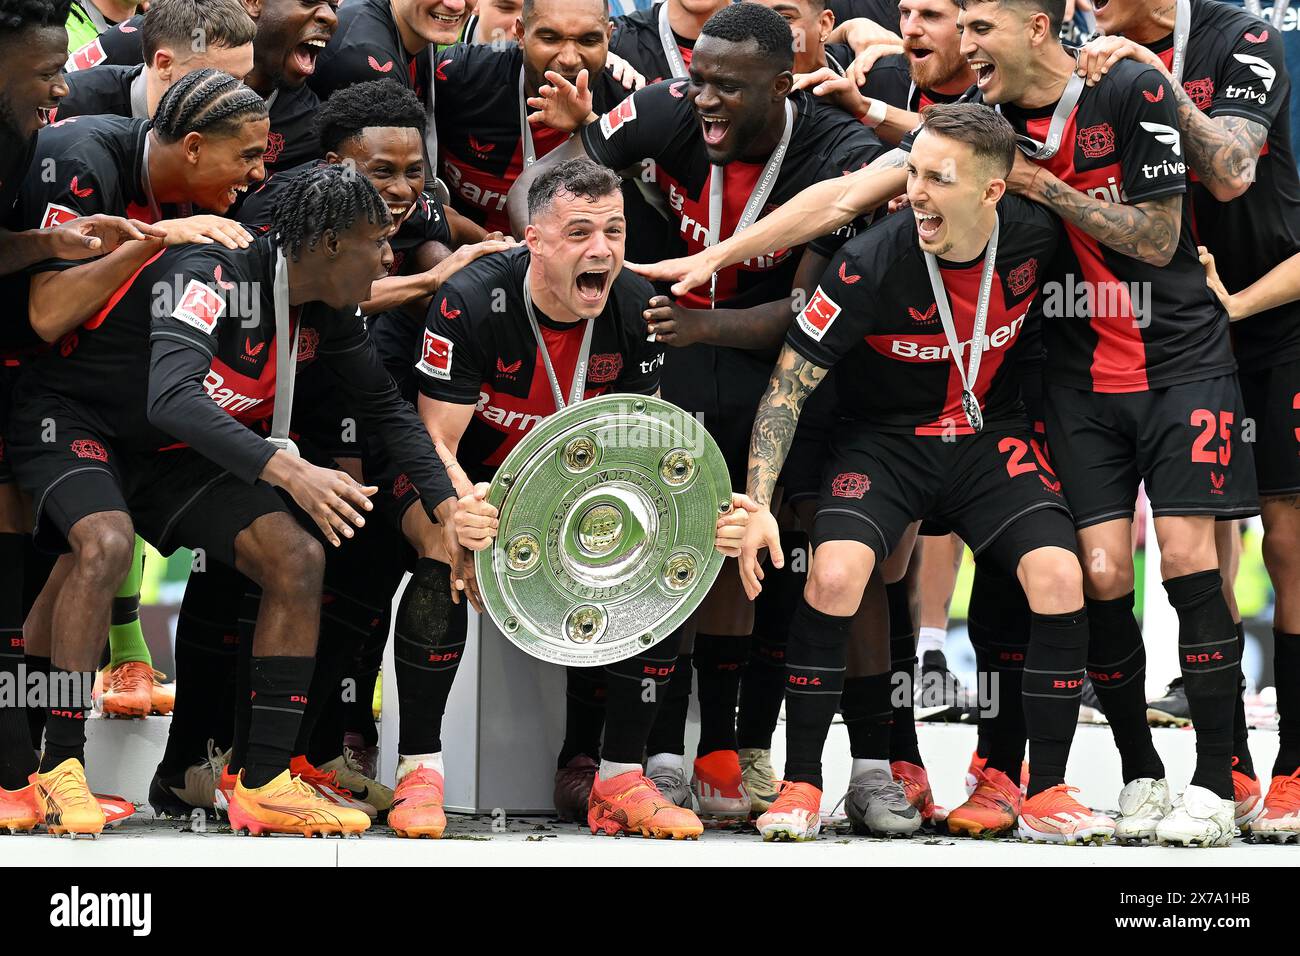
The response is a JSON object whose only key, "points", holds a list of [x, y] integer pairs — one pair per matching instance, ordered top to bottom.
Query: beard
{"points": [[936, 70]]}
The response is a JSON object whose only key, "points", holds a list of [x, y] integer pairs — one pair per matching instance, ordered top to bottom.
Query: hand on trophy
{"points": [[476, 520], [730, 533], [761, 533]]}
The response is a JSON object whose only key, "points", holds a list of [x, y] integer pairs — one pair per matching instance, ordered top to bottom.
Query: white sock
{"points": [[931, 639], [659, 762], [406, 763], [863, 767], [609, 769]]}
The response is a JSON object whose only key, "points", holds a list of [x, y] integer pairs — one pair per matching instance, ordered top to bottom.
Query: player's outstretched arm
{"points": [[817, 211], [1147, 231], [1278, 287], [793, 379]]}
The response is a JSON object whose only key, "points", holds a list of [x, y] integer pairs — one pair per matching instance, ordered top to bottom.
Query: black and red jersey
{"points": [[636, 39], [120, 45], [367, 46], [1236, 66], [890, 81], [104, 91], [292, 112], [659, 123], [480, 143], [98, 166], [425, 222], [214, 308], [874, 317], [1132, 326], [17, 338], [478, 351]]}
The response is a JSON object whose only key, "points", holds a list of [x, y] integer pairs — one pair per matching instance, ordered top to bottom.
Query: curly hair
{"points": [[19, 15], [741, 22], [206, 101], [374, 103], [324, 198]]}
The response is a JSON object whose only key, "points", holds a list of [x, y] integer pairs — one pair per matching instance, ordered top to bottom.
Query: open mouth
{"points": [[445, 19], [305, 53], [918, 54], [984, 71], [45, 115], [714, 127], [234, 192], [398, 209], [928, 225], [591, 285]]}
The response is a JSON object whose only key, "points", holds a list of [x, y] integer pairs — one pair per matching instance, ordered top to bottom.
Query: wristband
{"points": [[875, 114]]}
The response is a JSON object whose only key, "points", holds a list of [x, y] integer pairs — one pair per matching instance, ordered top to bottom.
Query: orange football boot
{"points": [[128, 690], [719, 785], [916, 785], [1248, 797], [64, 801], [630, 803], [289, 805], [417, 805], [991, 810], [18, 812], [794, 815], [1054, 816], [1280, 820]]}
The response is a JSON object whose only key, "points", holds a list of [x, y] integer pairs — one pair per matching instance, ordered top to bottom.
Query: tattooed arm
{"points": [[1223, 150], [1148, 231], [793, 380]]}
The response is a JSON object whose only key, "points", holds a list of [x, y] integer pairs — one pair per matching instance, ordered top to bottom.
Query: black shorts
{"points": [[8, 373], [1031, 395], [1272, 402], [1184, 442], [801, 475], [980, 486], [396, 493], [175, 498]]}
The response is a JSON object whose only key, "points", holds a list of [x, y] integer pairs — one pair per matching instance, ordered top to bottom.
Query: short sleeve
{"points": [[450, 364]]}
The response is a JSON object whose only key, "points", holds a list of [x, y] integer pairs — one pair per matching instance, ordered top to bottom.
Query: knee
{"points": [[102, 550], [1281, 552], [1179, 560], [285, 563], [1107, 576], [1052, 580], [834, 588]]}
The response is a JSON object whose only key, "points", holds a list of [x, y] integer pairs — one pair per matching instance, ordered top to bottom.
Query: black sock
{"points": [[248, 610], [998, 623], [429, 639], [1207, 651], [207, 653], [719, 663], [37, 664], [902, 664], [1117, 665], [814, 667], [1286, 673], [1053, 684], [762, 688], [634, 689], [279, 697], [361, 712], [584, 713], [868, 714], [65, 724], [668, 734], [17, 758], [1241, 760]]}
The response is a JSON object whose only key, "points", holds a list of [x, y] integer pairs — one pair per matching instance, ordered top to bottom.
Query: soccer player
{"points": [[167, 33], [290, 36], [659, 41], [33, 42], [1233, 96], [484, 138], [708, 141], [572, 327], [917, 438], [148, 456]]}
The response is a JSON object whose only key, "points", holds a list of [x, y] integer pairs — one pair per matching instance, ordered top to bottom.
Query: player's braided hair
{"points": [[18, 15], [206, 101], [373, 103], [326, 197]]}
